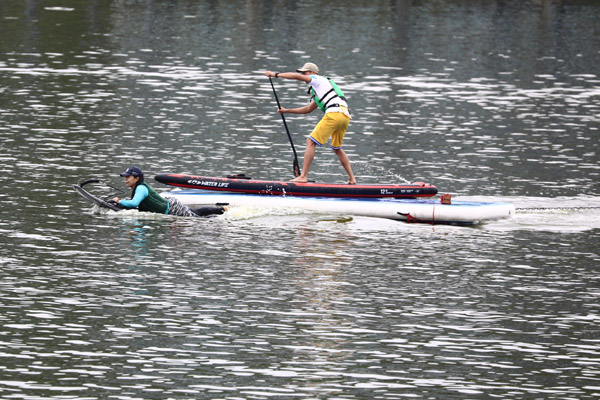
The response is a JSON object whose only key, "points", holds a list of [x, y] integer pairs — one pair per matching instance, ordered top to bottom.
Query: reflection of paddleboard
{"points": [[95, 200]]}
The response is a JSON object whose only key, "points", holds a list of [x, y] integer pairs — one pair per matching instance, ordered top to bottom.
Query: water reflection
{"points": [[496, 98], [168, 313]]}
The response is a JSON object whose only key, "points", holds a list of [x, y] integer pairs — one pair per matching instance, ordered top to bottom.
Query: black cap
{"points": [[133, 171]]}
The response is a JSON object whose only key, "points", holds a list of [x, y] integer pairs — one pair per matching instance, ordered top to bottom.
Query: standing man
{"points": [[330, 99]]}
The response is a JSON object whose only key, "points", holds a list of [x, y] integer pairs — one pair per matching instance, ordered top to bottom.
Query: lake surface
{"points": [[487, 100]]}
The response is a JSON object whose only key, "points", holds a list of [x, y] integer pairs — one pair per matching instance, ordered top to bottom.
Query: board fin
{"points": [[239, 176]]}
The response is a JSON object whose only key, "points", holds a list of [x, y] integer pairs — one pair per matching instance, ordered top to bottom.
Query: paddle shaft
{"points": [[296, 166]]}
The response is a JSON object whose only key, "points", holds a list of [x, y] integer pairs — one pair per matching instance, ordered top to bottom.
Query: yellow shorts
{"points": [[333, 125]]}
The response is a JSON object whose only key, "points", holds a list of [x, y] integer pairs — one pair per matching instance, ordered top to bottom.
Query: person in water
{"points": [[330, 99], [144, 198]]}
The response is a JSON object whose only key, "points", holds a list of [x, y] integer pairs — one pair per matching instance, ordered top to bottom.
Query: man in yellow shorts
{"points": [[328, 98]]}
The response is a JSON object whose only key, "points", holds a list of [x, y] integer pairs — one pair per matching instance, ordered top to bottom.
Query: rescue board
{"points": [[246, 185], [430, 211]]}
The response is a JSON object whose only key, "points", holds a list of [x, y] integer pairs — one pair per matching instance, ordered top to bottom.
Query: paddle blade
{"points": [[296, 167]]}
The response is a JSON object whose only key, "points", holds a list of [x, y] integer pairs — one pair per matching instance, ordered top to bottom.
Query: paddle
{"points": [[296, 166], [107, 198]]}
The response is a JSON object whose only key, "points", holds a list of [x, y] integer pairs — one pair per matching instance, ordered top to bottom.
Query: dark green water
{"points": [[485, 99]]}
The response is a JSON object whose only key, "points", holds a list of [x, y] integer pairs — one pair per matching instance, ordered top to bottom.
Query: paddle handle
{"points": [[297, 171]]}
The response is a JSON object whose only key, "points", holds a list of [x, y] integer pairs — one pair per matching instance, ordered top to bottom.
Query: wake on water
{"points": [[552, 214]]}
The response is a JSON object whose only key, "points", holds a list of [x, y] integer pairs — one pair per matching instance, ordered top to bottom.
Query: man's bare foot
{"points": [[299, 180], [352, 182]]}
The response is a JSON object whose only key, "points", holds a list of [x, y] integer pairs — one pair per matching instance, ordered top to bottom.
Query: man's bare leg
{"points": [[309, 155], [346, 164]]}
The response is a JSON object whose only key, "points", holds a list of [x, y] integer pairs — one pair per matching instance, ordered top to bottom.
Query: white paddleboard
{"points": [[410, 210]]}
